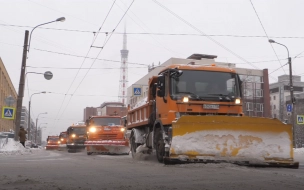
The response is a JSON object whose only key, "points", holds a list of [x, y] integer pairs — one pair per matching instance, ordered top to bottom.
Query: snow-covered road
{"points": [[23, 168]]}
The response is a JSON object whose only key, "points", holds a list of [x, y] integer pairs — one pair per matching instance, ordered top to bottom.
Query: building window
{"points": [[259, 93], [273, 97], [270, 98], [249, 106], [259, 107], [274, 107], [275, 116]]}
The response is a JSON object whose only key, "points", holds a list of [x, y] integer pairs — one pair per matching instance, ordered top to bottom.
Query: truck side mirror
{"points": [[161, 86], [154, 87], [87, 122]]}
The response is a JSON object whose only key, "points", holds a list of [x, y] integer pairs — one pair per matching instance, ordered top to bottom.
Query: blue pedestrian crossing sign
{"points": [[137, 91], [289, 107], [8, 113], [300, 119]]}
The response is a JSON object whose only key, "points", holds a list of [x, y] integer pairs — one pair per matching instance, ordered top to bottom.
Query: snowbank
{"points": [[14, 148]]}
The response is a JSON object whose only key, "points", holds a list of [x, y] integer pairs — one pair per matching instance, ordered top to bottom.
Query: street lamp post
{"points": [[22, 77], [291, 90], [29, 115], [36, 125], [39, 133]]}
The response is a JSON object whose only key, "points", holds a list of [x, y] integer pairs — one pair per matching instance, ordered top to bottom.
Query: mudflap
{"points": [[241, 140], [108, 147]]}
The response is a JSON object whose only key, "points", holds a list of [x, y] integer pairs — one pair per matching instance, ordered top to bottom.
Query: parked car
{"points": [[34, 145]]}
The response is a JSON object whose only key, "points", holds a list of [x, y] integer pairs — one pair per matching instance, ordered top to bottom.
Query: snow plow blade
{"points": [[241, 140], [51, 147], [62, 147], [107, 147]]}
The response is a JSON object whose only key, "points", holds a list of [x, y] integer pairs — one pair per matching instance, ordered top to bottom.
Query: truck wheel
{"points": [[133, 146], [160, 147], [89, 153]]}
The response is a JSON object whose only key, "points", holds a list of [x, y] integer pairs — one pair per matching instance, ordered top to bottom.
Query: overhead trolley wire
{"points": [[267, 35], [95, 37], [105, 43]]}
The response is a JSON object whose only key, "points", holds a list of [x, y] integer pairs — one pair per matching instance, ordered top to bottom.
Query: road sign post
{"points": [[137, 91], [8, 112], [300, 119]]}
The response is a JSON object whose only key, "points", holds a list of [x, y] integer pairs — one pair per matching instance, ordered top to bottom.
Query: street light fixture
{"points": [[61, 19], [22, 76], [291, 90], [29, 115], [36, 125]]}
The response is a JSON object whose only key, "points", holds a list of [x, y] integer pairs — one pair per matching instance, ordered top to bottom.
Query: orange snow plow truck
{"points": [[193, 113], [106, 135], [63, 140], [53, 143]]}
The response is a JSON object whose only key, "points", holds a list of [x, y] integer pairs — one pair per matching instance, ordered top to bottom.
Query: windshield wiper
{"points": [[227, 97]]}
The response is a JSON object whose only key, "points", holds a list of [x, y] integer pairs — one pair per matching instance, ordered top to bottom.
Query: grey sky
{"points": [[212, 17]]}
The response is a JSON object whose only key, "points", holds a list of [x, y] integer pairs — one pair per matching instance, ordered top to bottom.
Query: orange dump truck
{"points": [[193, 113], [106, 135], [76, 136], [63, 140], [52, 143]]}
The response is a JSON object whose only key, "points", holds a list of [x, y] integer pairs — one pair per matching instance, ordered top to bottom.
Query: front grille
{"points": [[107, 136]]}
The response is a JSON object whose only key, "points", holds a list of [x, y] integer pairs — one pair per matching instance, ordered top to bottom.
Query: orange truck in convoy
{"points": [[192, 112], [106, 135], [76, 136], [63, 140], [52, 143]]}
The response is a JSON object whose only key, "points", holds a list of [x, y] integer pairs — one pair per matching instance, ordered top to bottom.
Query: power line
{"points": [[198, 30], [161, 34], [267, 35], [105, 43], [84, 60], [79, 68]]}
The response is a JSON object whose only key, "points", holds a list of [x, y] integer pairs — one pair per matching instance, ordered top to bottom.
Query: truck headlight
{"points": [[185, 99], [237, 101], [92, 129], [122, 129], [73, 135], [61, 139], [58, 142]]}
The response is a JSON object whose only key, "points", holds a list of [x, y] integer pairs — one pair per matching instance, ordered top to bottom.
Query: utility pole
{"points": [[21, 87], [292, 102], [29, 122]]}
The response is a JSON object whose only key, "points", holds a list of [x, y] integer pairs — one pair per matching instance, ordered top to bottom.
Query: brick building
{"points": [[6, 89]]}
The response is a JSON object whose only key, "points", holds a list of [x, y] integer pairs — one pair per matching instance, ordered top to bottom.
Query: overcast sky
{"points": [[235, 30]]}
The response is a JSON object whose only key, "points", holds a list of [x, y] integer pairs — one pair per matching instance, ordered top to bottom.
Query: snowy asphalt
{"points": [[61, 170]]}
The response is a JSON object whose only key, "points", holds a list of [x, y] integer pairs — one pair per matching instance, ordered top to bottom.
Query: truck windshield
{"points": [[205, 85], [106, 121], [78, 130], [53, 139]]}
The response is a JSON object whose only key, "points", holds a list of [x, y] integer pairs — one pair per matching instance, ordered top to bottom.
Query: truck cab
{"points": [[76, 136], [52, 143]]}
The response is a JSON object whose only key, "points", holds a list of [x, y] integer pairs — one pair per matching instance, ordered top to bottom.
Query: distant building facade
{"points": [[255, 84], [6, 89], [278, 93], [106, 108], [89, 111]]}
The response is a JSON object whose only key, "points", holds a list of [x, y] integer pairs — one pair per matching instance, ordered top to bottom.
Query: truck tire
{"points": [[133, 146], [160, 146]]}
